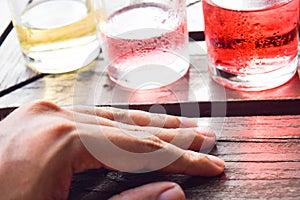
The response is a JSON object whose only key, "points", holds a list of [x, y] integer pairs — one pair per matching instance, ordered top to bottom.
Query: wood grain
{"points": [[13, 70], [195, 91], [261, 163], [102, 184]]}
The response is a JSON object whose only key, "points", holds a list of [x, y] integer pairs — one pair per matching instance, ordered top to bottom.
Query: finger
{"points": [[81, 117], [137, 117], [186, 138], [133, 153], [193, 163], [153, 191]]}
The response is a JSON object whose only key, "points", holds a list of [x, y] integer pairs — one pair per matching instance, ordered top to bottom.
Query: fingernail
{"points": [[187, 122], [216, 160], [174, 193]]}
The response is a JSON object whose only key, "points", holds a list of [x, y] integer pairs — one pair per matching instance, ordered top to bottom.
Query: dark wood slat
{"points": [[192, 2], [6, 32], [197, 35], [21, 84], [226, 108], [5, 111], [256, 128], [259, 152], [102, 184], [245, 189]]}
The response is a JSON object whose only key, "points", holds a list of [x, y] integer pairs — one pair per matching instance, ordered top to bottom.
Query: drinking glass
{"points": [[56, 36], [145, 42], [252, 44]]}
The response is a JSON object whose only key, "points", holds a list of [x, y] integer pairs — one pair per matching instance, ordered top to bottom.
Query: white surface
{"points": [[4, 15], [195, 17]]}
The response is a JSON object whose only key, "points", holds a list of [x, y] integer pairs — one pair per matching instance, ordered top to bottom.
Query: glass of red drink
{"points": [[144, 41], [252, 44]]}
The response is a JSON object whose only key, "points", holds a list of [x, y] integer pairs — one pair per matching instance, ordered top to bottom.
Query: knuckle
{"points": [[42, 106], [105, 112], [120, 116], [51, 117], [140, 118], [176, 121], [65, 126], [61, 127], [152, 143]]}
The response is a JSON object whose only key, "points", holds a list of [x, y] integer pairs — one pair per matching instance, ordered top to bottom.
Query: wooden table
{"points": [[258, 132]]}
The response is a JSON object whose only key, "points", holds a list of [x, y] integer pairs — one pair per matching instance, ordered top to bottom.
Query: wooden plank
{"points": [[13, 70], [91, 85], [255, 128], [259, 152], [240, 180], [101, 185], [245, 189]]}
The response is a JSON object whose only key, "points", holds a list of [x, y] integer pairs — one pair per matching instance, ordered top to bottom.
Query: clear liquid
{"points": [[58, 36], [146, 46]]}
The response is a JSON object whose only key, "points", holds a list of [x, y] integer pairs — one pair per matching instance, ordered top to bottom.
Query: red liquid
{"points": [[251, 42], [145, 46]]}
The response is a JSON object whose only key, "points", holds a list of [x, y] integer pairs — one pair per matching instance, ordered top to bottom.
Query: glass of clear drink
{"points": [[56, 36], [144, 41], [252, 44]]}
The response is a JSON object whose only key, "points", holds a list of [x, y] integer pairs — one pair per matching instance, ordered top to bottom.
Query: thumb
{"points": [[153, 191]]}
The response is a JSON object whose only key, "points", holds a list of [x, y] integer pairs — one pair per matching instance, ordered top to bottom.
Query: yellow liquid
{"points": [[54, 34]]}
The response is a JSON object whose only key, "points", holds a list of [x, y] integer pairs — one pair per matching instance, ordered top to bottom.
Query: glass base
{"points": [[63, 60], [155, 72], [150, 77], [254, 82]]}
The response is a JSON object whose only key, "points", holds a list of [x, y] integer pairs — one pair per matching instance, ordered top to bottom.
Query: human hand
{"points": [[43, 145]]}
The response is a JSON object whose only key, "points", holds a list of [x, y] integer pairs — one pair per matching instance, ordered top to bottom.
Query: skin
{"points": [[41, 147]]}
